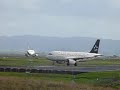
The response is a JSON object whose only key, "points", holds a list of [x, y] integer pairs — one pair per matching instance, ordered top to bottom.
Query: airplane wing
{"points": [[74, 58], [78, 58]]}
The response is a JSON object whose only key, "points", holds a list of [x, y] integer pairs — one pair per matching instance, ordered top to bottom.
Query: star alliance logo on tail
{"points": [[95, 48]]}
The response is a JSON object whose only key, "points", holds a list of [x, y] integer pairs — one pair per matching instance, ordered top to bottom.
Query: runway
{"points": [[82, 68], [60, 69]]}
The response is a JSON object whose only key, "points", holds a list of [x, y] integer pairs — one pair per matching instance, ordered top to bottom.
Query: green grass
{"points": [[43, 61], [23, 62], [41, 76], [101, 78], [104, 79], [41, 81], [84, 81], [15, 83]]}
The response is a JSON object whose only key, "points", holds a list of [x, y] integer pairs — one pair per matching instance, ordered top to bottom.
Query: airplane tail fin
{"points": [[28, 47], [95, 47]]}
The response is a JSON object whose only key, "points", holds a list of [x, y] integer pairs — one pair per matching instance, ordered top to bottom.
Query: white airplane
{"points": [[31, 52], [73, 57]]}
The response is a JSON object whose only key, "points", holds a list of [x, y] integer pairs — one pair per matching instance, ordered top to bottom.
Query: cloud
{"points": [[114, 3], [90, 8], [98, 18]]}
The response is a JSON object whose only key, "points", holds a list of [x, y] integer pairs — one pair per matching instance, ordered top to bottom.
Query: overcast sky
{"points": [[63, 18]]}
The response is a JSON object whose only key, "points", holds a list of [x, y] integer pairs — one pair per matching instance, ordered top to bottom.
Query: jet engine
{"points": [[36, 55], [71, 62]]}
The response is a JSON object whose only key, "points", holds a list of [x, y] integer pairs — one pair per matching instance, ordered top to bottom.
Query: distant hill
{"points": [[45, 44]]}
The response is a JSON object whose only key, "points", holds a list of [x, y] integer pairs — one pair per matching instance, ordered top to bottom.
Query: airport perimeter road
{"points": [[60, 69], [81, 69]]}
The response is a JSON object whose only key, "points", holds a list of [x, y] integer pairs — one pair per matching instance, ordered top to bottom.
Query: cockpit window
{"points": [[50, 54]]}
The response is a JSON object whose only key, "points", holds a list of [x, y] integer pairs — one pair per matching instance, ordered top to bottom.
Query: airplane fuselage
{"points": [[31, 53], [64, 55], [73, 57]]}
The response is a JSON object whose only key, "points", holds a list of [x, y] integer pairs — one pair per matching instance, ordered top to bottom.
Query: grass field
{"points": [[43, 61], [23, 62], [84, 81]]}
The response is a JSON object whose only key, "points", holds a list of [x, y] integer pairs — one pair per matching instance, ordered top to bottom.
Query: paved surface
{"points": [[60, 69], [81, 69]]}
